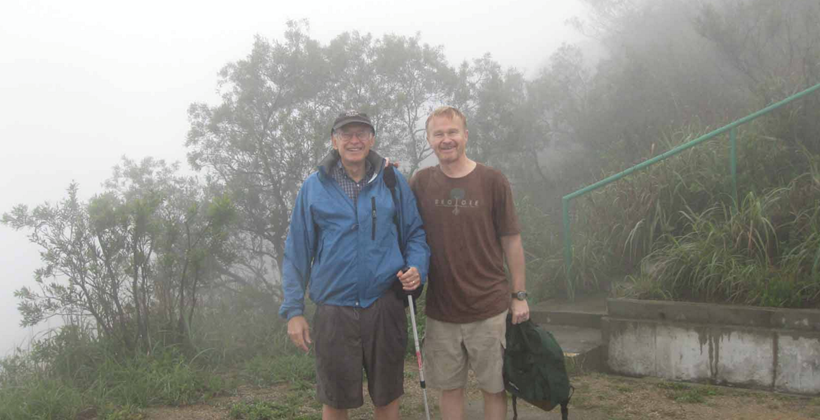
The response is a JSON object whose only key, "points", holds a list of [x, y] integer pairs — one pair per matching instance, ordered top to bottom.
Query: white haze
{"points": [[85, 82]]}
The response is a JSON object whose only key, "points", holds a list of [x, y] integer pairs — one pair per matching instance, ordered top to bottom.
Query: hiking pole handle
{"points": [[418, 354]]}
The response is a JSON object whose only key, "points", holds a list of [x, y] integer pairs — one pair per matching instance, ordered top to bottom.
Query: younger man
{"points": [[471, 226]]}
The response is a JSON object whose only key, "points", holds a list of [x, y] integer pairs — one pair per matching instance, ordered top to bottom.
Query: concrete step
{"points": [[585, 312], [549, 318], [577, 328], [575, 340], [583, 347]]}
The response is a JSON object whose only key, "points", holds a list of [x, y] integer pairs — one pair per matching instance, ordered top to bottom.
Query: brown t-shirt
{"points": [[464, 219]]}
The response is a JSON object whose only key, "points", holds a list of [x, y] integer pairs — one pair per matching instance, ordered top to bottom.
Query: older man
{"points": [[472, 229], [343, 246]]}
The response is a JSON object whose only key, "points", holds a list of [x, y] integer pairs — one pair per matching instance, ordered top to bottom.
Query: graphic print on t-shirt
{"points": [[457, 200]]}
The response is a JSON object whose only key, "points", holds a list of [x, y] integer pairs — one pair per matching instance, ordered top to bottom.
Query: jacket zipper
{"points": [[373, 206]]}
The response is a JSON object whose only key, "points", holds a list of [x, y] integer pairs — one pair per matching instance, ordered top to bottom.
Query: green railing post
{"points": [[733, 164], [568, 251]]}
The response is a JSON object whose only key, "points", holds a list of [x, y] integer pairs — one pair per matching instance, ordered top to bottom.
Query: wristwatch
{"points": [[520, 295]]}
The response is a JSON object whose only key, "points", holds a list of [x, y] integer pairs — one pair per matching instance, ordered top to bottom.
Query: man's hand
{"points": [[387, 163], [410, 279], [520, 311], [299, 332]]}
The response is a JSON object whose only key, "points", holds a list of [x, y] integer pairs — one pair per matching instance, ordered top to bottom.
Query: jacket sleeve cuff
{"points": [[292, 312], [295, 312]]}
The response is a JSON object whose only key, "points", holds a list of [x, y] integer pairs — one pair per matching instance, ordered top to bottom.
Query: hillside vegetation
{"points": [[168, 283]]}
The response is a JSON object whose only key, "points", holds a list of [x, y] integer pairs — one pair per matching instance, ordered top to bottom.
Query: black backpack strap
{"points": [[390, 181], [515, 407], [564, 408]]}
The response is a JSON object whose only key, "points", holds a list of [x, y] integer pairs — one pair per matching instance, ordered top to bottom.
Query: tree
{"points": [[417, 79], [273, 125], [267, 135], [140, 250], [82, 272]]}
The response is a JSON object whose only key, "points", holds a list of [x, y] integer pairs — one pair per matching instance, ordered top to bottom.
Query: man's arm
{"points": [[299, 247], [514, 254]]}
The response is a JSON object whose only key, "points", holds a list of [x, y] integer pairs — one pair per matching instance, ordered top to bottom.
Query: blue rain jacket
{"points": [[345, 253]]}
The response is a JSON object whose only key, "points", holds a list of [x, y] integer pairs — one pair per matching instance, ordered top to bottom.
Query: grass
{"points": [[675, 232], [761, 253], [288, 368], [69, 373], [166, 379], [119, 389], [688, 394], [40, 399], [261, 410]]}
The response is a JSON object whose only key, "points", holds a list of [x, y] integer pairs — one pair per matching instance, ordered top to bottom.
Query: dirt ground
{"points": [[597, 397]]}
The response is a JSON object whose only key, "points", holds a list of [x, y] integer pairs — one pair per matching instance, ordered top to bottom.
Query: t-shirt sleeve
{"points": [[414, 183], [504, 217]]}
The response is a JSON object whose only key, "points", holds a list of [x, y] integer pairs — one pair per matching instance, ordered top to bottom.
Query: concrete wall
{"points": [[776, 349]]}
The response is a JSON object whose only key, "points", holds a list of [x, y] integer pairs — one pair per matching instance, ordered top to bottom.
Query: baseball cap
{"points": [[349, 117]]}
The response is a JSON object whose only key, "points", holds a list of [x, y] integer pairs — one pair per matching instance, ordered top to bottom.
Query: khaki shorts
{"points": [[347, 339], [450, 350]]}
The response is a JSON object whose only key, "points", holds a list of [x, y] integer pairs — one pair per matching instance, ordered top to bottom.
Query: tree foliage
{"points": [[140, 252]]}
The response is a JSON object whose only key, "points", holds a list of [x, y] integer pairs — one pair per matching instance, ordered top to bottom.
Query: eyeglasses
{"points": [[361, 135]]}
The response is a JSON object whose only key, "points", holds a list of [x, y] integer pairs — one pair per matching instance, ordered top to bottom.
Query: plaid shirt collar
{"points": [[349, 186]]}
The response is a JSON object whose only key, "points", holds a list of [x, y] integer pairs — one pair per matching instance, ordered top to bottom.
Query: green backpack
{"points": [[534, 368]]}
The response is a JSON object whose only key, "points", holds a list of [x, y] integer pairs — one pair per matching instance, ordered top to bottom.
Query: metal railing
{"points": [[731, 128]]}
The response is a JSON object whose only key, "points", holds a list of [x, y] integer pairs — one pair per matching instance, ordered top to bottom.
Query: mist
{"points": [[153, 154]]}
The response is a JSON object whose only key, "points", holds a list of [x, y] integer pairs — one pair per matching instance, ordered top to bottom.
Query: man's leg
{"points": [[384, 340], [485, 342], [338, 357], [452, 404], [495, 405], [389, 411], [330, 413]]}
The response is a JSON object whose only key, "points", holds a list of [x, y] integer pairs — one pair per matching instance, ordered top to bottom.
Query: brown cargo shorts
{"points": [[349, 338], [450, 350]]}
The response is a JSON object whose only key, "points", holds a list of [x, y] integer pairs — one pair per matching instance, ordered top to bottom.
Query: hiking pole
{"points": [[418, 354]]}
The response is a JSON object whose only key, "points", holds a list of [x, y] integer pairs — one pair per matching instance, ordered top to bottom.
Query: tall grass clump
{"points": [[614, 228], [542, 248], [765, 252], [236, 326], [70, 371], [164, 378], [26, 393]]}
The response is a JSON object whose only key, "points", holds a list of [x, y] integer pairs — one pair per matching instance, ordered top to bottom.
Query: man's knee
{"points": [[452, 392], [495, 395], [388, 406], [388, 412], [331, 413]]}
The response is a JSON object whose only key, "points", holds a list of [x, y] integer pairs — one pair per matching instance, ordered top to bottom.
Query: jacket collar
{"points": [[333, 157]]}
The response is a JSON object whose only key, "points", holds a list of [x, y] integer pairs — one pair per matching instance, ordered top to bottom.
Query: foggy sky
{"points": [[85, 82]]}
